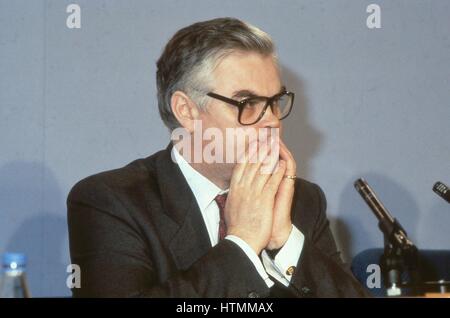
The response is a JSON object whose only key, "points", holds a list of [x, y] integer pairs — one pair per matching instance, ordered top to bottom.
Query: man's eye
{"points": [[251, 102], [276, 102]]}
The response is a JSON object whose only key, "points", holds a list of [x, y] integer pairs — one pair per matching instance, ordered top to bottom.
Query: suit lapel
{"points": [[191, 240]]}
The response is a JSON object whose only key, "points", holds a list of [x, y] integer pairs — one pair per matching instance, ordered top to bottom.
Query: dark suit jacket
{"points": [[137, 231]]}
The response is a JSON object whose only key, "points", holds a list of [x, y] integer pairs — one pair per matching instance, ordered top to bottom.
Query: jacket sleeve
{"points": [[115, 260], [320, 270]]}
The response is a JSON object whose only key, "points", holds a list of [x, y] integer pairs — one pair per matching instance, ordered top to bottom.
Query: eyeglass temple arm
{"points": [[225, 99]]}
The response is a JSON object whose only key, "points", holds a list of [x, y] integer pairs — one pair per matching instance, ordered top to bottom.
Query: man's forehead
{"points": [[247, 75]]}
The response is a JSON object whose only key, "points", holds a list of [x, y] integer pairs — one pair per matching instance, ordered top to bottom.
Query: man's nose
{"points": [[269, 119]]}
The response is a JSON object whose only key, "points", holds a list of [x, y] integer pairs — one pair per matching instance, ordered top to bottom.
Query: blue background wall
{"points": [[372, 103]]}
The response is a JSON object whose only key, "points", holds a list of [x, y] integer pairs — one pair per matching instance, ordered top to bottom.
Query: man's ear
{"points": [[184, 109]]}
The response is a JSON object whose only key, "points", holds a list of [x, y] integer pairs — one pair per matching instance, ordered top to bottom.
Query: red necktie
{"points": [[221, 199]]}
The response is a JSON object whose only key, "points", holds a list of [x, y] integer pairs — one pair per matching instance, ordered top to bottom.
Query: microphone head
{"points": [[360, 184], [442, 190]]}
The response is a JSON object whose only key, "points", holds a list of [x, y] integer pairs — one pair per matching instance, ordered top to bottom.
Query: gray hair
{"points": [[191, 55]]}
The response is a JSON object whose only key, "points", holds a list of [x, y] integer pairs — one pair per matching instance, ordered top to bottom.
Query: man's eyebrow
{"points": [[244, 93], [250, 93]]}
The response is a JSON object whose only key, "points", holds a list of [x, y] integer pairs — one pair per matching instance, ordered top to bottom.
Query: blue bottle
{"points": [[13, 281]]}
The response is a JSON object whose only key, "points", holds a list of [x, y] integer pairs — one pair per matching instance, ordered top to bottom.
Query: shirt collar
{"points": [[204, 189]]}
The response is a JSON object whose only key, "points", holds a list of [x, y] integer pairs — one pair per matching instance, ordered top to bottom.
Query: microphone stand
{"points": [[400, 256]]}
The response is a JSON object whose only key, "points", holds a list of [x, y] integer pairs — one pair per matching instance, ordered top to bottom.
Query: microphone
{"points": [[442, 190], [372, 201], [390, 227]]}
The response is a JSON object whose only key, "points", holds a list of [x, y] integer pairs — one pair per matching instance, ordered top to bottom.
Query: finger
{"points": [[285, 154], [242, 163], [255, 163], [271, 163], [267, 168], [276, 178]]}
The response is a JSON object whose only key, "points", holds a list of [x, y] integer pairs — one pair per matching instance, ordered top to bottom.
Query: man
{"points": [[168, 226]]}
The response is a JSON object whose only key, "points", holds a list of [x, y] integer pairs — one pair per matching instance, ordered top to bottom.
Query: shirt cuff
{"points": [[253, 258], [284, 265]]}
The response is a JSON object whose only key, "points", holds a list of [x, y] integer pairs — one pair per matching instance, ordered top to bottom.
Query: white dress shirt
{"points": [[205, 192]]}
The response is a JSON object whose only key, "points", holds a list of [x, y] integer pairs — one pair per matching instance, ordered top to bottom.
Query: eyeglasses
{"points": [[253, 108]]}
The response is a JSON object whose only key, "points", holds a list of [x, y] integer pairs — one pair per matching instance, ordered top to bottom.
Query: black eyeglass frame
{"points": [[241, 104]]}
